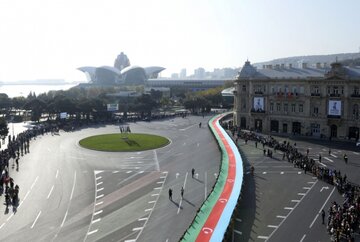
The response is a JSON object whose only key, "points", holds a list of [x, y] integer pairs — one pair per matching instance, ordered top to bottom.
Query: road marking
{"points": [[187, 127], [324, 150], [355, 153], [333, 155], [328, 159], [323, 164], [97, 172], [115, 172], [128, 172], [264, 172], [299, 172], [57, 173], [281, 173], [99, 177], [163, 177], [34, 182], [160, 182], [311, 182], [98, 184], [73, 187], [157, 188], [307, 188], [326, 188], [100, 189], [50, 192], [27, 193], [155, 194], [99, 196], [151, 201], [295, 201], [99, 203], [288, 208], [322, 208], [148, 210], [178, 211], [98, 212], [279, 216], [9, 217], [142, 219], [238, 219], [96, 220], [62, 224], [2, 225], [32, 226], [273, 226], [138, 228], [237, 231], [91, 232], [263, 237], [302, 239], [130, 240]]}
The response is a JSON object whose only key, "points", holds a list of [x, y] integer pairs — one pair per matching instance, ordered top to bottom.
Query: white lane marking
{"points": [[187, 127], [198, 144], [324, 149], [355, 153], [333, 155], [328, 159], [156, 161], [323, 164], [97, 172], [115, 172], [128, 172], [140, 172], [264, 172], [299, 172], [57, 173], [99, 177], [34, 182], [160, 182], [311, 182], [98, 184], [73, 187], [52, 188], [157, 188], [307, 188], [100, 189], [27, 194], [156, 194], [301, 194], [205, 195], [99, 196], [151, 201], [295, 201], [99, 203], [288, 208], [322, 208], [292, 209], [148, 210], [178, 211], [98, 212], [280, 216], [9, 217], [37, 217], [142, 219], [96, 220], [239, 220], [62, 224], [2, 225], [272, 226], [138, 228], [237, 231], [91, 232], [263, 237], [302, 239], [130, 240]]}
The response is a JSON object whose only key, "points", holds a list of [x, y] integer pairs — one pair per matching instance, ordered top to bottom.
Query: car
{"points": [[358, 143]]}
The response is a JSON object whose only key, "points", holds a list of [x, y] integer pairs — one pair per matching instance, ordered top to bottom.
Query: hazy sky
{"points": [[49, 39]]}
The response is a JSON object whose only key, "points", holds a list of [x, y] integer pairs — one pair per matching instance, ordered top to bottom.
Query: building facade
{"points": [[315, 101]]}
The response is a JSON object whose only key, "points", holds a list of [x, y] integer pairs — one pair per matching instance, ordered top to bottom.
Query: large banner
{"points": [[259, 104], [112, 107], [334, 108], [63, 115]]}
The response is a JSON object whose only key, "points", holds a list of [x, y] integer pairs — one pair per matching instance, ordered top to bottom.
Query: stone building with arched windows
{"points": [[315, 101]]}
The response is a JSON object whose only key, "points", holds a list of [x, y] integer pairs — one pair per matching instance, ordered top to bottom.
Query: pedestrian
{"points": [[255, 144], [329, 151], [265, 152], [307, 152], [320, 158], [345, 158], [192, 172], [182, 192], [170, 193], [323, 216]]}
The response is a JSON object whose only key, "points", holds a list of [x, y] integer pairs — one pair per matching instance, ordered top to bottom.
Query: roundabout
{"points": [[124, 142]]}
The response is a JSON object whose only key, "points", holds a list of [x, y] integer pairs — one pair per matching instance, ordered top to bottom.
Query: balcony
{"points": [[259, 92], [315, 94], [334, 95], [357, 95], [259, 111], [334, 117]]}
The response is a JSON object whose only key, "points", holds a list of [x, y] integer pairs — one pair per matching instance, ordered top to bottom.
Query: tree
{"points": [[36, 106], [4, 130]]}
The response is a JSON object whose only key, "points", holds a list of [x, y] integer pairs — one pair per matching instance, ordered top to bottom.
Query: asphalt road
{"points": [[68, 193], [282, 203]]}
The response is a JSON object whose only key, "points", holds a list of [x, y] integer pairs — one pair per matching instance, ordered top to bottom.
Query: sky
{"points": [[43, 39]]}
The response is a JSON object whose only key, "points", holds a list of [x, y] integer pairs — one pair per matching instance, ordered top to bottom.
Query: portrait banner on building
{"points": [[259, 104], [111, 107], [334, 108], [63, 115]]}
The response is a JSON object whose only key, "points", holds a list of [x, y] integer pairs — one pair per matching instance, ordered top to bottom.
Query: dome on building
{"points": [[121, 61]]}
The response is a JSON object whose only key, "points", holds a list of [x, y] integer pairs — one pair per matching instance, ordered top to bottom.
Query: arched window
{"points": [[355, 111]]}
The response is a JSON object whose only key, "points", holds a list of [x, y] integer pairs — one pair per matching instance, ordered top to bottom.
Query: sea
{"points": [[17, 90]]}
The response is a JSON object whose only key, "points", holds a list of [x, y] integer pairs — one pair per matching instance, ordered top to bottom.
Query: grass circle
{"points": [[124, 142]]}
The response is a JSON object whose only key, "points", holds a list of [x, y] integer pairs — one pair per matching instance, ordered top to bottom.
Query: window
{"points": [[244, 88], [294, 89], [273, 90], [302, 90], [316, 90], [335, 90], [356, 90], [243, 104], [271, 107], [278, 107], [286, 107], [293, 107], [301, 108], [316, 110], [355, 111]]}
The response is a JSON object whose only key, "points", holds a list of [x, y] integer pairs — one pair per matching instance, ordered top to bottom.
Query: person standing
{"points": [[320, 158], [192, 172], [182, 192], [170, 193], [323, 216]]}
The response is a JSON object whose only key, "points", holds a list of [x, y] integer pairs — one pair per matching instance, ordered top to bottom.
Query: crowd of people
{"points": [[343, 220]]}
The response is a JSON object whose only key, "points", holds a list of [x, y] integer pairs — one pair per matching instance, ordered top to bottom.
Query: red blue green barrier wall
{"points": [[214, 216]]}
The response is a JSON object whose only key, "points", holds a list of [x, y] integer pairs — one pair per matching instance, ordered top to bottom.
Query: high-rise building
{"points": [[121, 61], [199, 72], [183, 73]]}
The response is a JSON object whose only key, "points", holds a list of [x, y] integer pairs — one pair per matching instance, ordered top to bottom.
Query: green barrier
{"points": [[203, 213]]}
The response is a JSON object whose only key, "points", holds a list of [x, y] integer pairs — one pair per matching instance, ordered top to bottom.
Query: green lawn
{"points": [[124, 142]]}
